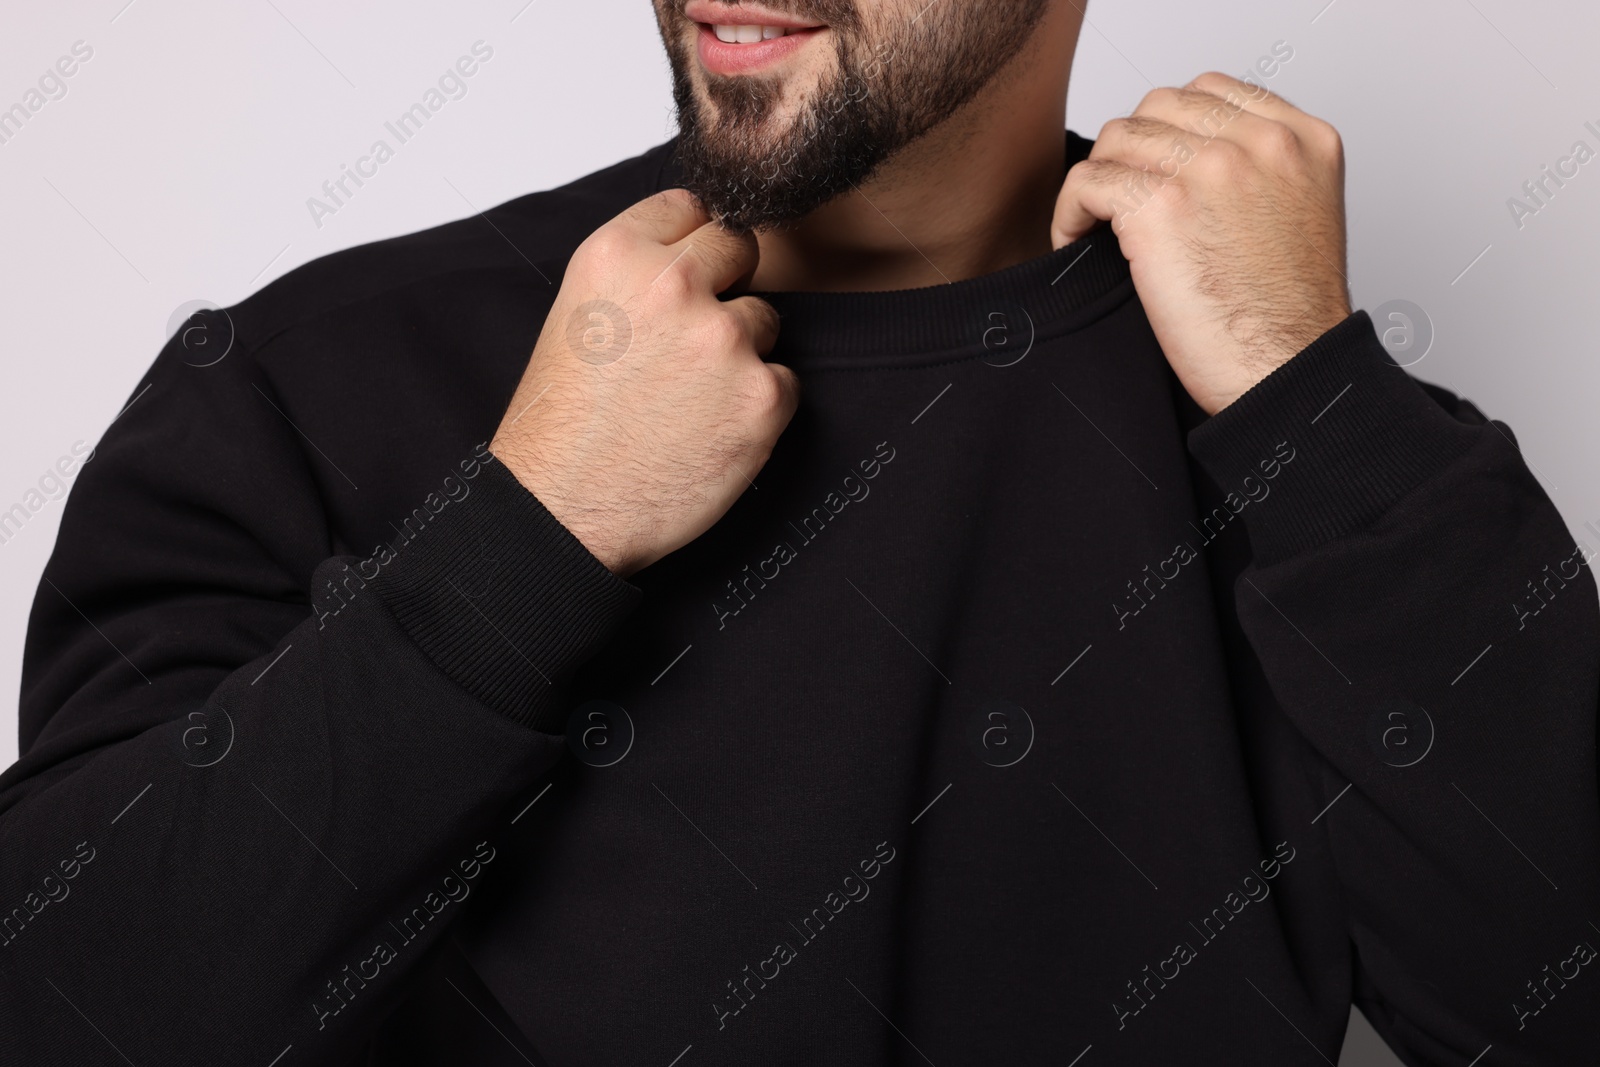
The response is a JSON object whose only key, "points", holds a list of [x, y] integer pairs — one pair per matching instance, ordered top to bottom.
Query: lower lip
{"points": [[719, 57]]}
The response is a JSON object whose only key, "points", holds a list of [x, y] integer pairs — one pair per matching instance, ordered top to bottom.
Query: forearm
{"points": [[1388, 557], [272, 862]]}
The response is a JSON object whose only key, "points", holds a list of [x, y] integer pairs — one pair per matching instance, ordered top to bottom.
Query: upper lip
{"points": [[714, 13]]}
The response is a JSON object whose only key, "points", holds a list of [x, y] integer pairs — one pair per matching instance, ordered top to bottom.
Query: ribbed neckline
{"points": [[983, 317]]}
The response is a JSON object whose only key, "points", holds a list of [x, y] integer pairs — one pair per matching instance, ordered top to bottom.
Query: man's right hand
{"points": [[646, 408]]}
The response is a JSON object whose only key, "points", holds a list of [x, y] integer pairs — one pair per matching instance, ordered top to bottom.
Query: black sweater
{"points": [[1022, 712]]}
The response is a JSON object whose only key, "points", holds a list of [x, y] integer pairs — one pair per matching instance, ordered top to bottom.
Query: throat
{"points": [[921, 221]]}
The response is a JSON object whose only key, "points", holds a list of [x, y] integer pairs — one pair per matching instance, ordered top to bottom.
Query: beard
{"points": [[889, 86]]}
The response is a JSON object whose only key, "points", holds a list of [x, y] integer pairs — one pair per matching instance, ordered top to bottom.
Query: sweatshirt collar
{"points": [[978, 318]]}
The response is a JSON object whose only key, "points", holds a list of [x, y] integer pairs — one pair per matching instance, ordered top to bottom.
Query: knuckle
{"points": [[1161, 98], [1116, 129], [1327, 139], [1280, 142], [1221, 159], [1170, 199], [604, 248], [675, 284], [721, 331], [762, 390]]}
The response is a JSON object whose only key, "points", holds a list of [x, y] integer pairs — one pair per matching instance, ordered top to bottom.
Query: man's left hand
{"points": [[1228, 202]]}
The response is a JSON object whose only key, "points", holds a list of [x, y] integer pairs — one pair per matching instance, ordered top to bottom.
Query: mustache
{"points": [[837, 14]]}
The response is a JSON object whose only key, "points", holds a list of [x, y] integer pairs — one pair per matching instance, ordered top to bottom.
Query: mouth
{"points": [[746, 39]]}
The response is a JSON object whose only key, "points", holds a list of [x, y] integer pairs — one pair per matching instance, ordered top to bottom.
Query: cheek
{"points": [[856, 14], [819, 61]]}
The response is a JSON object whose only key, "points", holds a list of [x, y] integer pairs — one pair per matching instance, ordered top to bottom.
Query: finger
{"points": [[1257, 98], [1262, 101], [1202, 116], [1140, 140], [1095, 190], [665, 218], [712, 258], [760, 321], [788, 388]]}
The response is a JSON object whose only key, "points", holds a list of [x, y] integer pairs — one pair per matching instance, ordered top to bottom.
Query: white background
{"points": [[178, 166]]}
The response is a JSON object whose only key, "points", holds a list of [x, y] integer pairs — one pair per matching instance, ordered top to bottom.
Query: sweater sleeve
{"points": [[1423, 616], [246, 808]]}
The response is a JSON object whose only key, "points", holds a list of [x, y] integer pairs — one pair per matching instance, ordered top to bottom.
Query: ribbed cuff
{"points": [[1363, 435], [504, 599]]}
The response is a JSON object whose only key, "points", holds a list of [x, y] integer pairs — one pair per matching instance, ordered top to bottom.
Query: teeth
{"points": [[748, 34]]}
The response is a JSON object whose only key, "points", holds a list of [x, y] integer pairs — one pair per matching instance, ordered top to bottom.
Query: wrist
{"points": [[1255, 367], [593, 526]]}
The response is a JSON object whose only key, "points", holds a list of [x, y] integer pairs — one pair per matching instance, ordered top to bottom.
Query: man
{"points": [[1006, 638]]}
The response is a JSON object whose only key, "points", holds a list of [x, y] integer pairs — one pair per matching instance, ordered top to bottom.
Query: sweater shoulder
{"points": [[536, 232]]}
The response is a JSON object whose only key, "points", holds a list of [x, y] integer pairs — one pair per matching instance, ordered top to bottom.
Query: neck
{"points": [[974, 195]]}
